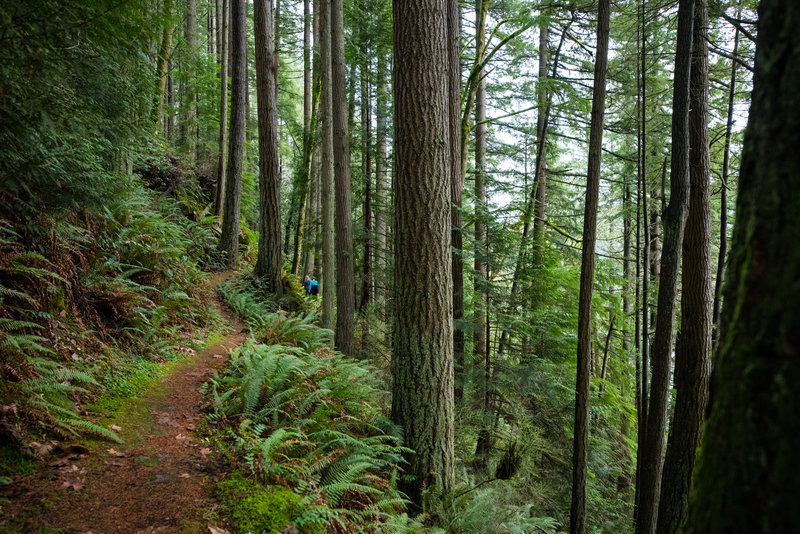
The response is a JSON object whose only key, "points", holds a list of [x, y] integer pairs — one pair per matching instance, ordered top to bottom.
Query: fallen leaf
{"points": [[217, 356], [76, 357], [11, 408], [190, 427], [115, 428], [180, 436], [205, 451], [118, 454], [59, 463], [185, 475], [77, 484], [215, 530]]}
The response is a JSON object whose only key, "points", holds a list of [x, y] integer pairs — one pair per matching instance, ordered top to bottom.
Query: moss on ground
{"points": [[251, 507]]}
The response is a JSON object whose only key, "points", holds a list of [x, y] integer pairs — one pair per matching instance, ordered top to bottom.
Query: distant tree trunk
{"points": [[211, 29], [222, 37], [162, 67], [541, 100], [381, 122], [189, 125], [307, 140], [366, 173], [456, 187], [723, 201], [674, 222], [229, 240], [328, 250], [481, 261], [268, 265], [345, 281], [693, 348], [422, 400], [746, 480], [577, 515]]}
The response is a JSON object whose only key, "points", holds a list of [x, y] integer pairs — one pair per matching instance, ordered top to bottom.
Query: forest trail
{"points": [[160, 481]]}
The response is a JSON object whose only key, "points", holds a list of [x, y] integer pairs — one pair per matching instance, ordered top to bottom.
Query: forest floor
{"points": [[161, 480]]}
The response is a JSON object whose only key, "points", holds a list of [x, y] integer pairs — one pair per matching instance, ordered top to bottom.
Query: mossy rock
{"points": [[251, 507]]}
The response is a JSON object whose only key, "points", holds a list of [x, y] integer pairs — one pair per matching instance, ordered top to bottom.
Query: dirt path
{"points": [[163, 483]]}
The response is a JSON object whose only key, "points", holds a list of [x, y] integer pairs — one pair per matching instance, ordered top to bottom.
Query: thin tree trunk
{"points": [[222, 36], [162, 67], [541, 100], [381, 116], [190, 121], [307, 140], [366, 173], [456, 188], [723, 201], [674, 222], [229, 240], [328, 248], [481, 261], [268, 265], [345, 284], [693, 348], [422, 400], [577, 515]]}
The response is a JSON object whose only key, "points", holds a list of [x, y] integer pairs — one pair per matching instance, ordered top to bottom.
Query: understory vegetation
{"points": [[93, 302]]}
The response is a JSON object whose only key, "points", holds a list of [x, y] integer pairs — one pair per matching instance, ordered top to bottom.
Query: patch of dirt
{"points": [[162, 484]]}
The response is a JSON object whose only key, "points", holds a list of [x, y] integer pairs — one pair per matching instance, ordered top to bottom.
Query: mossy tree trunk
{"points": [[229, 240], [328, 248], [268, 265], [345, 280], [422, 402], [746, 479]]}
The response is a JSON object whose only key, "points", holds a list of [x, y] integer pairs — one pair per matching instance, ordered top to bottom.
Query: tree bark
{"points": [[222, 36], [541, 101], [381, 122], [189, 125], [366, 173], [456, 188], [723, 201], [674, 221], [229, 240], [328, 247], [481, 261], [268, 265], [345, 281], [693, 348], [422, 402], [746, 480], [577, 515]]}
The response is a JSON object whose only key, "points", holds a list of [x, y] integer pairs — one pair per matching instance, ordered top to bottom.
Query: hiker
{"points": [[306, 281], [313, 287]]}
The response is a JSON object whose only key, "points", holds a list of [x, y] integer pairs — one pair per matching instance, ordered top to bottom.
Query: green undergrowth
{"points": [[95, 304], [305, 418]]}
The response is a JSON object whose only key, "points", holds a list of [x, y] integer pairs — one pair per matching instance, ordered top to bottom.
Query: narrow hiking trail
{"points": [[160, 481]]}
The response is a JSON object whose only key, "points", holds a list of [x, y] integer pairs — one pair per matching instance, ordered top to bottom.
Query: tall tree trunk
{"points": [[222, 36], [162, 68], [541, 101], [381, 122], [189, 125], [307, 140], [366, 173], [456, 187], [723, 201], [674, 222], [229, 240], [328, 248], [481, 261], [268, 265], [644, 265], [345, 281], [693, 348], [422, 400], [746, 480], [577, 515]]}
